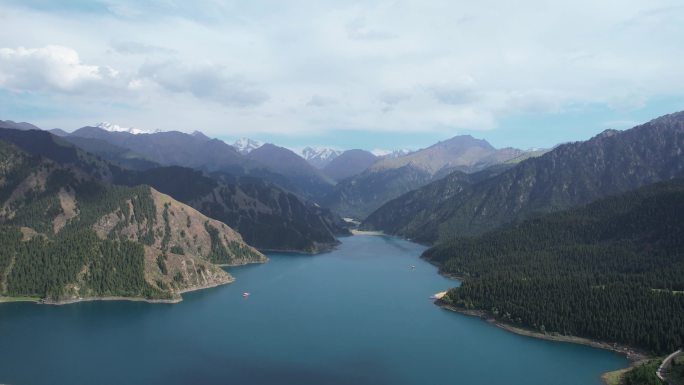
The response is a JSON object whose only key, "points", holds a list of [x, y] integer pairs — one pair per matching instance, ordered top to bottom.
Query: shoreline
{"points": [[366, 232], [322, 248], [107, 298], [18, 299], [178, 299], [41, 301], [633, 355]]}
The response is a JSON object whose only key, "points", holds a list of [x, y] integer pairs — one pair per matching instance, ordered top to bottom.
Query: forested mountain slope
{"points": [[117, 155], [569, 175], [360, 195], [400, 214], [268, 217], [66, 235], [612, 270]]}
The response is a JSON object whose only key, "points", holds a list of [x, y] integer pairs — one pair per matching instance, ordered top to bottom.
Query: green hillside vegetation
{"points": [[120, 156], [569, 175], [400, 215], [267, 216], [67, 235], [45, 264], [611, 270], [644, 374]]}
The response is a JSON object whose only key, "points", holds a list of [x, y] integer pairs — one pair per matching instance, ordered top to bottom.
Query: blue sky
{"points": [[347, 74]]}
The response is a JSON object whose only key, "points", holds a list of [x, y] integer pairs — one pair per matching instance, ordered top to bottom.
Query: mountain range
{"points": [[111, 127], [172, 148], [569, 175], [301, 176], [388, 178], [270, 217], [67, 233]]}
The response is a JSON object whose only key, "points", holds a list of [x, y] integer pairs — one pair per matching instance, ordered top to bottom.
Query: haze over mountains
{"points": [[349, 163], [390, 177], [352, 183], [358, 184]]}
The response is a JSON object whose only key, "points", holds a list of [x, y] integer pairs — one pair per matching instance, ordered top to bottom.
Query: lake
{"points": [[357, 315]]}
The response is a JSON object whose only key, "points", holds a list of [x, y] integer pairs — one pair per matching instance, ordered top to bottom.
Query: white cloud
{"points": [[357, 29], [138, 48], [52, 68], [241, 68], [208, 82], [320, 101]]}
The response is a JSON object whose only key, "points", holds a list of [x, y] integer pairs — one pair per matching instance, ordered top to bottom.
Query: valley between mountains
{"points": [[583, 239]]}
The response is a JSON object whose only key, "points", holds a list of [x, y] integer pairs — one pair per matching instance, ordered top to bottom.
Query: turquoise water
{"points": [[358, 315]]}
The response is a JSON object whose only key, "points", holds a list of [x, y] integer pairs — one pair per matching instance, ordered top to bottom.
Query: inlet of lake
{"points": [[357, 315]]}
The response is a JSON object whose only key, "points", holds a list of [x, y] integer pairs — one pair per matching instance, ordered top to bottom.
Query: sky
{"points": [[345, 74]]}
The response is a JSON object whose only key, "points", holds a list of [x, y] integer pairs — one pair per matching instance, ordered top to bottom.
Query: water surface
{"points": [[358, 315]]}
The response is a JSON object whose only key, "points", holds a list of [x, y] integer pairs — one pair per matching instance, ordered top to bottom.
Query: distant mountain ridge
{"points": [[18, 125], [111, 127], [172, 148], [463, 153], [391, 154], [349, 163], [275, 164], [569, 175], [388, 178], [311, 182], [271, 219]]}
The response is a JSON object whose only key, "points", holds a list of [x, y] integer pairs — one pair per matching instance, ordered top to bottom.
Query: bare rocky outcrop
{"points": [[67, 202], [181, 244]]}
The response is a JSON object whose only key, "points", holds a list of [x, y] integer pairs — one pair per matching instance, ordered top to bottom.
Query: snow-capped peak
{"points": [[111, 127], [246, 145], [320, 153], [390, 153], [319, 157]]}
